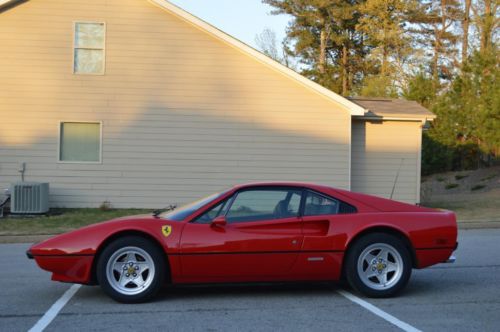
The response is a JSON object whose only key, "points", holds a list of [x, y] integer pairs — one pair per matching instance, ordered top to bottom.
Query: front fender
{"points": [[70, 256]]}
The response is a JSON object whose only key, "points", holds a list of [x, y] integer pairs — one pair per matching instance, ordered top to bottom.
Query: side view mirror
{"points": [[220, 221]]}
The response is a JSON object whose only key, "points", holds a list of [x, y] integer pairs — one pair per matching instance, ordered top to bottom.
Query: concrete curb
{"points": [[478, 224]]}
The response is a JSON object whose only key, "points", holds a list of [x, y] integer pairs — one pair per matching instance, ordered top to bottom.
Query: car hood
{"points": [[86, 240]]}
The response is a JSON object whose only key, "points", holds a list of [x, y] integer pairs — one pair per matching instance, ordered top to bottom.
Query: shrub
{"points": [[436, 157], [488, 177], [105, 206]]}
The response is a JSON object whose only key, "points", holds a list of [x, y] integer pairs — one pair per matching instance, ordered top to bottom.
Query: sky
{"points": [[243, 19]]}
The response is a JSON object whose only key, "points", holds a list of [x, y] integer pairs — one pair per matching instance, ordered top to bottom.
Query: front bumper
{"points": [[29, 254], [67, 268]]}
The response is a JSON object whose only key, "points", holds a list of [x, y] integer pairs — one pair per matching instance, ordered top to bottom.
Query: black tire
{"points": [[365, 259], [147, 260]]}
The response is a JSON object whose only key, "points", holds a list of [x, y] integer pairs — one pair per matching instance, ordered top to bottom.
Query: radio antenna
{"points": [[397, 176]]}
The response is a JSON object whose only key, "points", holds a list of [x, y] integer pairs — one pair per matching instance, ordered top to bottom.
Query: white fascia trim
{"points": [[6, 2], [346, 104], [391, 118]]}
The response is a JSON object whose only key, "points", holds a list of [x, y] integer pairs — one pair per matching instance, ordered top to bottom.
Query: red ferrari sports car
{"points": [[252, 233]]}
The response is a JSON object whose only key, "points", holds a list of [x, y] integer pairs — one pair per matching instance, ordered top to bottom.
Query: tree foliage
{"points": [[435, 22], [383, 25], [323, 37], [266, 41], [441, 53], [469, 112]]}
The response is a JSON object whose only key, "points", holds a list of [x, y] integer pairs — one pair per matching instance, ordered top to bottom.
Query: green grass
{"points": [[461, 176], [440, 179], [451, 185], [60, 220]]}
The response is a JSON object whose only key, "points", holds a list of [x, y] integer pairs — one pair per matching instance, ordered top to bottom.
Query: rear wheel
{"points": [[378, 265], [131, 269]]}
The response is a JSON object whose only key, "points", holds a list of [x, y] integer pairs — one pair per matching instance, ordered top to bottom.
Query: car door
{"points": [[260, 240]]}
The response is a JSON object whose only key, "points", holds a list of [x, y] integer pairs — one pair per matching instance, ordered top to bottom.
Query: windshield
{"points": [[182, 212]]}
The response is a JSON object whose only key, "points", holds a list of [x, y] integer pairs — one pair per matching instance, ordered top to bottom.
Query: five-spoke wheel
{"points": [[378, 265], [131, 269]]}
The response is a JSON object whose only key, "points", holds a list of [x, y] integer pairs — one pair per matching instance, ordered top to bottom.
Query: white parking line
{"points": [[370, 307], [54, 310]]}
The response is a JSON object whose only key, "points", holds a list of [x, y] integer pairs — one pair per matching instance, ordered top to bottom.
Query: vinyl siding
{"points": [[183, 114], [382, 149]]}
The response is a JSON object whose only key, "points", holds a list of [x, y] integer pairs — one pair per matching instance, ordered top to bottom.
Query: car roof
{"points": [[283, 184]]}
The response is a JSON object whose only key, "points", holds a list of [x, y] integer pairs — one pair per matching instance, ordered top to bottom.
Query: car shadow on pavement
{"points": [[421, 285], [268, 290]]}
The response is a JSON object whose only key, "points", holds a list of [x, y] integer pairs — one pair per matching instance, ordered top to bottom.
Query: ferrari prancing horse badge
{"points": [[166, 230]]}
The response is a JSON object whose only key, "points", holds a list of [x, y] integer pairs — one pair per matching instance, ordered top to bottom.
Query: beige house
{"points": [[141, 104]]}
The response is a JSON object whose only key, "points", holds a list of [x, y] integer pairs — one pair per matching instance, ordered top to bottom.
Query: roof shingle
{"points": [[393, 108]]}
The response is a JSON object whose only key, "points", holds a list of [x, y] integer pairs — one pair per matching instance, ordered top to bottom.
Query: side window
{"points": [[255, 205], [294, 205], [320, 205], [213, 213]]}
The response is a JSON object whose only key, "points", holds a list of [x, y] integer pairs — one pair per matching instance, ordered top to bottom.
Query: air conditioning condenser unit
{"points": [[29, 198]]}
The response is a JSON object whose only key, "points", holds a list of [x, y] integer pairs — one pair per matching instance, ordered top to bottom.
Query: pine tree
{"points": [[435, 22], [486, 22], [383, 24], [465, 30], [322, 35], [421, 89], [469, 113]]}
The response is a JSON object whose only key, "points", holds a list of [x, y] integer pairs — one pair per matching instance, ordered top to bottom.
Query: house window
{"points": [[89, 48], [80, 142]]}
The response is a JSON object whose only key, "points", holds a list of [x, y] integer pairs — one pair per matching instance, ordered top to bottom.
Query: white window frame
{"points": [[73, 47], [59, 127]]}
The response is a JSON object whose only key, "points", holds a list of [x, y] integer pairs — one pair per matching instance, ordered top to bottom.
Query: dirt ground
{"points": [[473, 195]]}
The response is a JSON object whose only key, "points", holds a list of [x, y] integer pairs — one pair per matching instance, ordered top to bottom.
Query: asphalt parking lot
{"points": [[464, 296]]}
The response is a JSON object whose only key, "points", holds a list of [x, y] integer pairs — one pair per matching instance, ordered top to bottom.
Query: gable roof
{"points": [[346, 104], [393, 109]]}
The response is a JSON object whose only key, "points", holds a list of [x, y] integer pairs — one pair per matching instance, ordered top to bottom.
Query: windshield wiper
{"points": [[171, 207]]}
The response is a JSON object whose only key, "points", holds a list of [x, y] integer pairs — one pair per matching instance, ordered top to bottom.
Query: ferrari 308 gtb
{"points": [[260, 232]]}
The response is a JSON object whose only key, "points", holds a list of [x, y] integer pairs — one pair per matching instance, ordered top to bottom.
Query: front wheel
{"points": [[378, 265], [131, 269]]}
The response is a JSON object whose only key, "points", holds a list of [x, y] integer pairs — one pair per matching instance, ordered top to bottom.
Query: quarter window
{"points": [[89, 48], [80, 142], [316, 205], [213, 213]]}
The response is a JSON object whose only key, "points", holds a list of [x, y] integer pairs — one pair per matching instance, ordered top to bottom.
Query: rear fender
{"points": [[387, 229]]}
